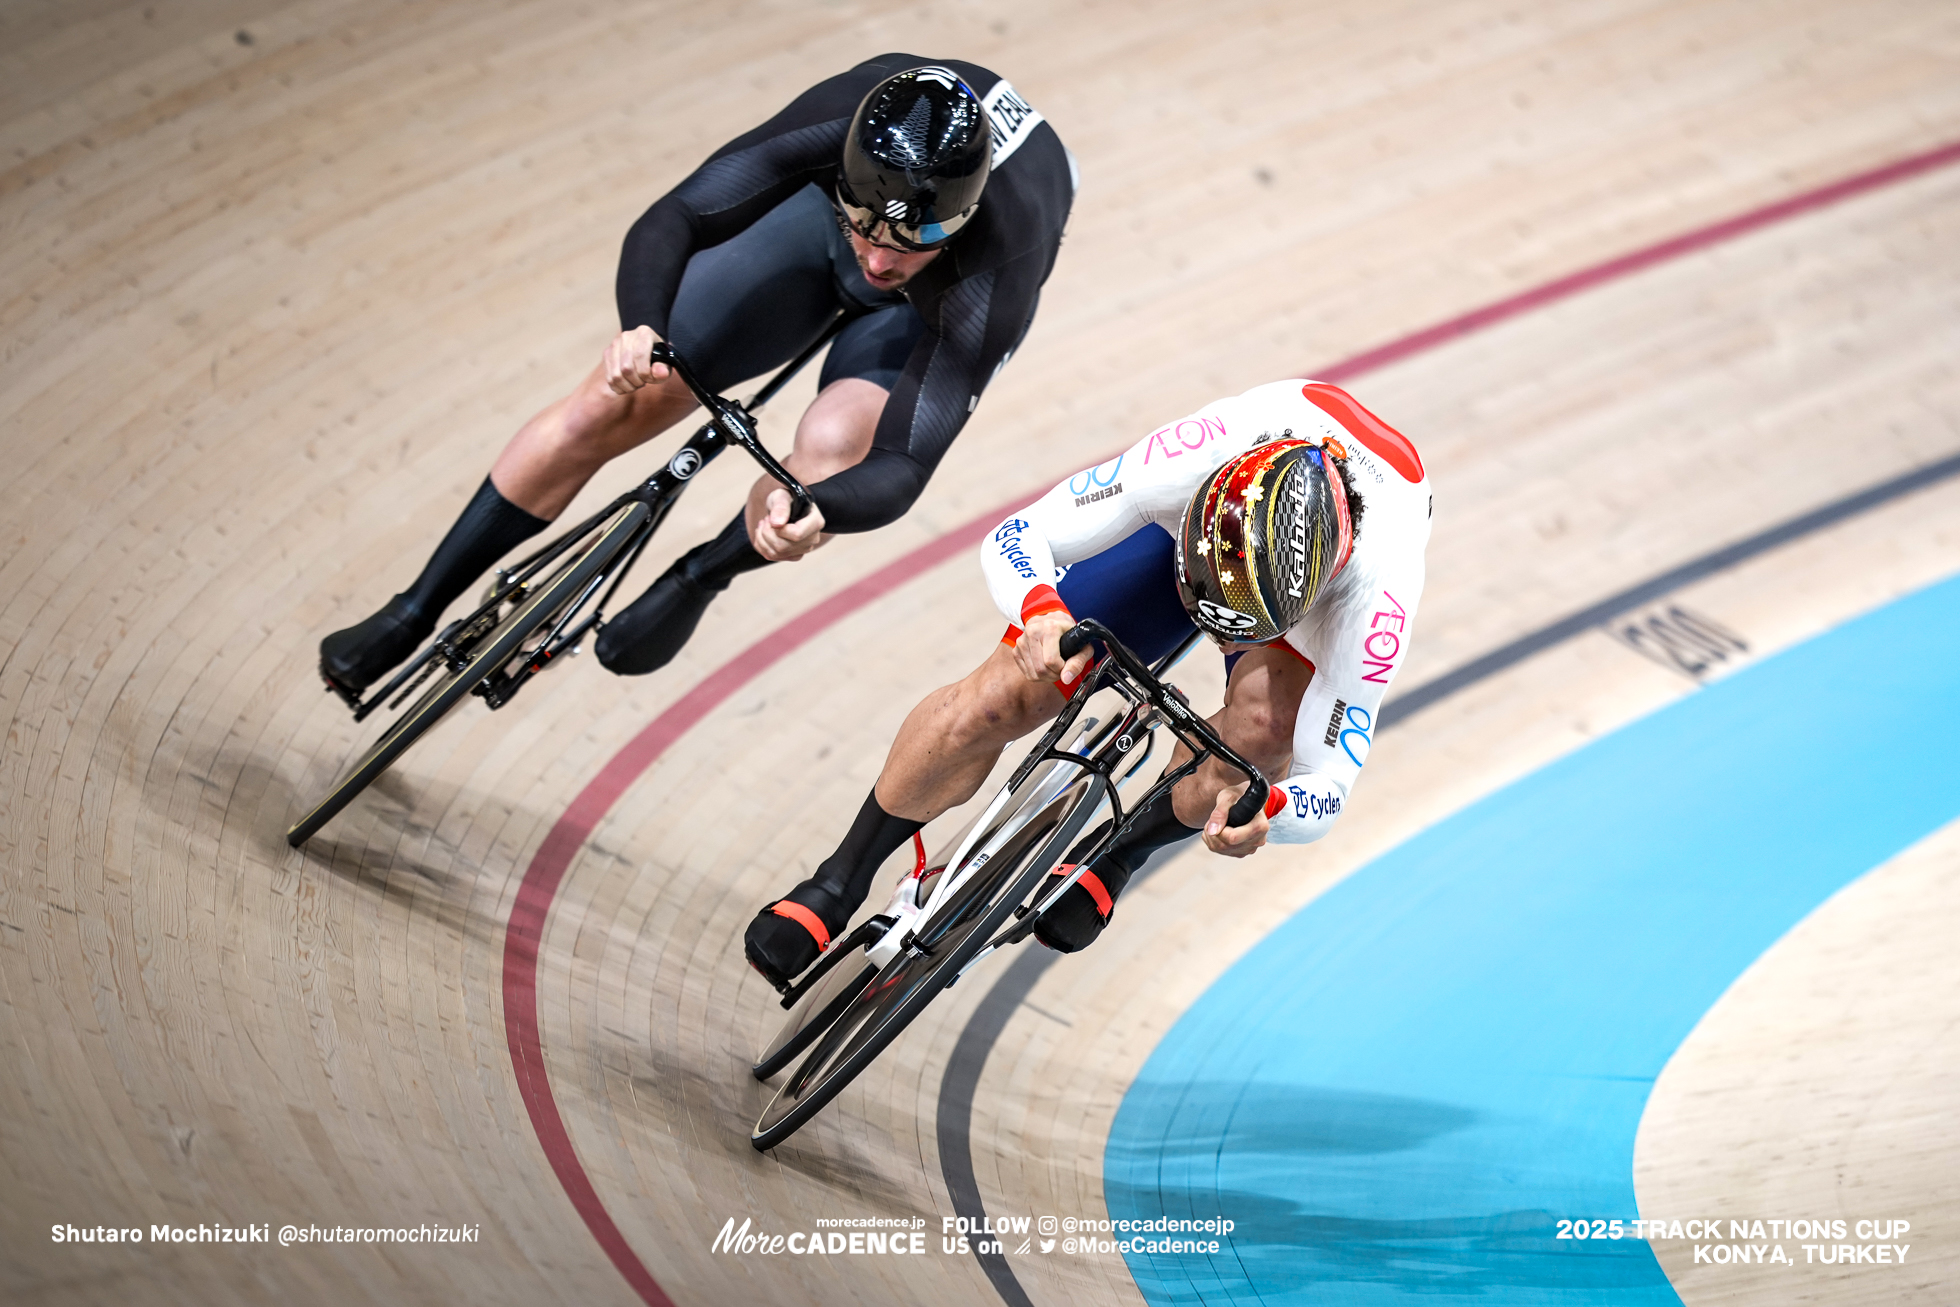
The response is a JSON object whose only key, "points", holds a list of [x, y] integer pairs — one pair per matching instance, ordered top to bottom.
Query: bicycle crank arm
{"points": [[415, 666], [974, 961]]}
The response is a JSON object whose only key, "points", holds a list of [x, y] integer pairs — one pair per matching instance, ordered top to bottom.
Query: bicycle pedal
{"points": [[353, 701]]}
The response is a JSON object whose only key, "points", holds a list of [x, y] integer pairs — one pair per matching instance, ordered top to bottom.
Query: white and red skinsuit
{"points": [[1356, 635]]}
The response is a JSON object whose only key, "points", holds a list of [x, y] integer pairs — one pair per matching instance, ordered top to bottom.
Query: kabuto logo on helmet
{"points": [[1293, 526], [1261, 539]]}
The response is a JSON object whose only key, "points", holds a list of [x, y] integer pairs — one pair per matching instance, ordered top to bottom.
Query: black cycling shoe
{"points": [[648, 632], [353, 659], [1080, 915], [783, 940]]}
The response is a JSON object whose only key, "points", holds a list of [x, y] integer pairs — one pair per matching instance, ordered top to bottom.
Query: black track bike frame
{"points": [[728, 423], [1153, 701]]}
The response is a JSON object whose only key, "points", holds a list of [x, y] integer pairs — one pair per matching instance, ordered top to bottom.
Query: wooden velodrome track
{"points": [[279, 278]]}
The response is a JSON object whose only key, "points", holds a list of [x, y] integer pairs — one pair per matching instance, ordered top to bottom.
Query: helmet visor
{"points": [[893, 230]]}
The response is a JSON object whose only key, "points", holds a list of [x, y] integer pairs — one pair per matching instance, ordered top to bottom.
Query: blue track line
{"points": [[1397, 1093]]}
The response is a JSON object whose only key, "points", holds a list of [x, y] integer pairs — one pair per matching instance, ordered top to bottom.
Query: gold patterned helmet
{"points": [[1262, 537]]}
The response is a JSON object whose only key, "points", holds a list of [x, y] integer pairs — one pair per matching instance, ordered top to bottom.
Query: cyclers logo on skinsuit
{"points": [[1008, 540], [1314, 805]]}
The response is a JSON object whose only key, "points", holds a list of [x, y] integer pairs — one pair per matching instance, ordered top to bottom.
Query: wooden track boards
{"points": [[281, 278]]}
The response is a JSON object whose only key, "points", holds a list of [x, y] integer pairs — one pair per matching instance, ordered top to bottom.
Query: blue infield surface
{"points": [[1397, 1094]]}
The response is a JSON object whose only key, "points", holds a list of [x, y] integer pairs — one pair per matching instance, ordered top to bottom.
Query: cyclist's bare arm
{"points": [[628, 363], [834, 433], [952, 739]]}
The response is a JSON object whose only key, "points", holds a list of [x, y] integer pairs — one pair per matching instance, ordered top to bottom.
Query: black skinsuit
{"points": [[973, 303]]}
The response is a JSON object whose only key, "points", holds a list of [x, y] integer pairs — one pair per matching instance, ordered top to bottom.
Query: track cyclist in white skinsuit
{"points": [[1246, 519]]}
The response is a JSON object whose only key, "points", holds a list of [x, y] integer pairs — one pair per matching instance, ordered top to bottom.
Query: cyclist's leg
{"points": [[742, 307], [858, 377], [835, 433], [553, 455], [545, 464], [490, 527], [1135, 582], [1262, 698], [952, 739], [943, 752]]}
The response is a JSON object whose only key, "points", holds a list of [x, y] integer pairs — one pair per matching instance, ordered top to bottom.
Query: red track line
{"points": [[1627, 264], [554, 857]]}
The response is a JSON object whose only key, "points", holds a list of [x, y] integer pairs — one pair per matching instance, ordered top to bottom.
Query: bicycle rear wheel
{"points": [[491, 652], [955, 933]]}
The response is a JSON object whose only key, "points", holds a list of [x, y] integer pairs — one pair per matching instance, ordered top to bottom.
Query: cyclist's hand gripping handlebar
{"points": [[737, 426], [1176, 711], [1249, 803]]}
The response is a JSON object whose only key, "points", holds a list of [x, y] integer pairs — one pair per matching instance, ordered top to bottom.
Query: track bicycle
{"points": [[537, 610], [951, 912]]}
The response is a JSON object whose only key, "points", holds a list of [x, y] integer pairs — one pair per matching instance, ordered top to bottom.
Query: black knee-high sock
{"points": [[490, 527], [713, 565], [1156, 826], [847, 873], [1077, 919]]}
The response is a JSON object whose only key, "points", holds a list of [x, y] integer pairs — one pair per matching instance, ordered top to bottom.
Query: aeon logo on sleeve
{"points": [[1172, 441], [1007, 542], [1383, 643]]}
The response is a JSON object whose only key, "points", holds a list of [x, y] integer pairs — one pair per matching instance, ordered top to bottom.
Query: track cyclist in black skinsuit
{"points": [[865, 194]]}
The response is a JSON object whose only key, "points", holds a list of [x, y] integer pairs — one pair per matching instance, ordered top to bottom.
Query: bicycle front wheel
{"points": [[492, 652], [900, 992]]}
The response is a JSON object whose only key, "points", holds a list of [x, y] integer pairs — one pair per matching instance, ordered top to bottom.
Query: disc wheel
{"points": [[492, 651], [953, 933], [815, 1013]]}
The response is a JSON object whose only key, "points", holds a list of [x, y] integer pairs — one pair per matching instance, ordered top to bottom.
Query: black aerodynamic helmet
{"points": [[915, 158]]}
